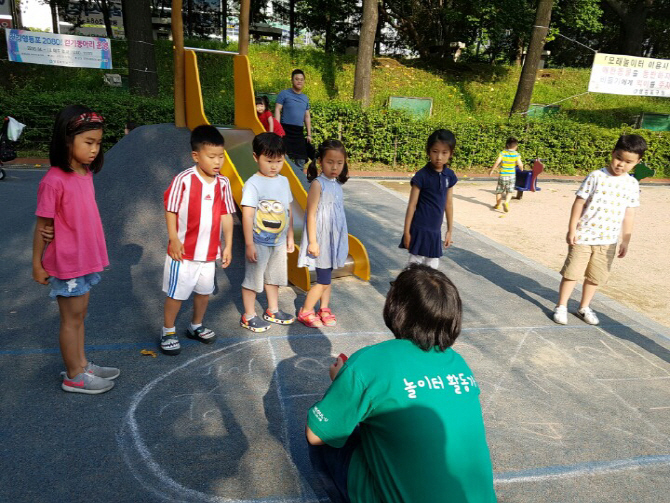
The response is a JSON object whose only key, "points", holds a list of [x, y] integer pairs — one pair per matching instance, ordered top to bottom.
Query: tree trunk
{"points": [[104, 8], [54, 16], [291, 17], [189, 18], [224, 21], [633, 21], [632, 31], [378, 32], [243, 37], [328, 46], [366, 47], [519, 51], [141, 55], [524, 90]]}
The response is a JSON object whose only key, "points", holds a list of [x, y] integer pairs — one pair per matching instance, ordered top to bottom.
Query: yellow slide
{"points": [[246, 126]]}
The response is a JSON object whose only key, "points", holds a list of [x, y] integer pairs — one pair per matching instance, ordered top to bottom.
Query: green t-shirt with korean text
{"points": [[421, 426]]}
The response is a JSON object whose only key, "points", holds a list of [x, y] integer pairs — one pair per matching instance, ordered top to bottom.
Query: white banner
{"points": [[58, 50], [630, 75]]}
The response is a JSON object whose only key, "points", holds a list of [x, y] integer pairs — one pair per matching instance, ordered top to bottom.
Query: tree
{"points": [[55, 6], [104, 8], [330, 19], [633, 20], [366, 48], [141, 56], [524, 90]]}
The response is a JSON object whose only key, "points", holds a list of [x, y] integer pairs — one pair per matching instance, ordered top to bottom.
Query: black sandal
{"points": [[201, 334], [169, 344]]}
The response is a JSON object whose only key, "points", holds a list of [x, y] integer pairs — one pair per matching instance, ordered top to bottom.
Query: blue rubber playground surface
{"points": [[574, 413]]}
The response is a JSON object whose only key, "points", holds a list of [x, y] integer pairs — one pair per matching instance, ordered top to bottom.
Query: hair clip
{"points": [[88, 117]]}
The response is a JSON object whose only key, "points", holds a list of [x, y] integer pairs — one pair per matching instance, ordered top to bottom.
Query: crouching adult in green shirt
{"points": [[402, 421]]}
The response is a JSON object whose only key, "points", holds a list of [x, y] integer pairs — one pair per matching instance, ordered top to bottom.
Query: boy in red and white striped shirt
{"points": [[198, 205]]}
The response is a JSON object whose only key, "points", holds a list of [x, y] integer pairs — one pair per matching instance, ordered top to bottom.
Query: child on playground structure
{"points": [[270, 124], [507, 160], [431, 198], [198, 205], [603, 212], [267, 222], [325, 239], [70, 263], [401, 420]]}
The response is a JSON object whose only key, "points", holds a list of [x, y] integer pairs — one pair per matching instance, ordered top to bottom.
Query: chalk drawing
{"points": [[149, 473]]}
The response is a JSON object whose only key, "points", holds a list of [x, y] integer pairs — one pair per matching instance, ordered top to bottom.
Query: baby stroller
{"points": [[9, 134]]}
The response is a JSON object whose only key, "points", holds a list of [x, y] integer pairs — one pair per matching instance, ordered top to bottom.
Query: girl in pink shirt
{"points": [[70, 262]]}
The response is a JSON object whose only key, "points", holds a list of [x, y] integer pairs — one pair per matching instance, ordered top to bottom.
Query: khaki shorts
{"points": [[592, 262], [269, 269]]}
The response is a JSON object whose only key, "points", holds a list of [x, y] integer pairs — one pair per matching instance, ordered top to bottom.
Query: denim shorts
{"points": [[73, 287]]}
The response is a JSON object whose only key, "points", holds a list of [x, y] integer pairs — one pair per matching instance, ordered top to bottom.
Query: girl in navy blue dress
{"points": [[430, 199]]}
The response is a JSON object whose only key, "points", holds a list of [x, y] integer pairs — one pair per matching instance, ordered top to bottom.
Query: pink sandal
{"points": [[327, 317], [309, 319]]}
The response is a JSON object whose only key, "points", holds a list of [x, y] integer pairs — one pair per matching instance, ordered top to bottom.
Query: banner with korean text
{"points": [[59, 50], [630, 75]]}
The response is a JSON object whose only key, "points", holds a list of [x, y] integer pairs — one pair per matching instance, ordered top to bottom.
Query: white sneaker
{"points": [[587, 314], [561, 315]]}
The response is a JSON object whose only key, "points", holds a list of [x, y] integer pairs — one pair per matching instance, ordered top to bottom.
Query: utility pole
{"points": [[524, 90]]}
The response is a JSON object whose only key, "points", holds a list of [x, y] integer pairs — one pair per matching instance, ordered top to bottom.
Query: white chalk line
{"points": [[498, 384], [284, 420], [581, 470], [165, 482]]}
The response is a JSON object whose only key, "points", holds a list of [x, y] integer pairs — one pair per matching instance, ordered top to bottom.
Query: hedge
{"points": [[374, 135]]}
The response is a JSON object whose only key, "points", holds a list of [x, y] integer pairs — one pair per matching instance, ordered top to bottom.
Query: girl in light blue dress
{"points": [[325, 239]]}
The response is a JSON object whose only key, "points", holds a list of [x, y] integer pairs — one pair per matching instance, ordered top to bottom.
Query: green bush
{"points": [[471, 100]]}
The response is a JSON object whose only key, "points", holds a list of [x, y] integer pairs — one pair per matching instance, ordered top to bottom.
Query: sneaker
{"points": [[496, 207], [506, 207], [587, 314], [561, 315], [280, 317], [327, 317], [309, 319], [255, 324], [201, 334], [170, 344], [104, 372], [86, 383]]}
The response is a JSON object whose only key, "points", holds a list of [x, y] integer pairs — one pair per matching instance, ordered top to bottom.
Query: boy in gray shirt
{"points": [[268, 233]]}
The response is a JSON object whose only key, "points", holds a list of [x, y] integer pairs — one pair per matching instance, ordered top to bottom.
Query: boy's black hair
{"points": [[297, 71], [260, 100], [71, 121], [205, 134], [441, 135], [511, 142], [631, 143], [268, 144], [312, 169], [424, 307]]}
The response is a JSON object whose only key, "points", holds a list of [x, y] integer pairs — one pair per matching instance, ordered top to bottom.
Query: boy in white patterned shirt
{"points": [[603, 211]]}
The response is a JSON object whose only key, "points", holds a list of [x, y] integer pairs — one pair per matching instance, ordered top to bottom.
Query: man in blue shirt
{"points": [[292, 111]]}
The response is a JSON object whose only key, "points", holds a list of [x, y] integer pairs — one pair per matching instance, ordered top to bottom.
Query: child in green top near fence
{"points": [[507, 160]]}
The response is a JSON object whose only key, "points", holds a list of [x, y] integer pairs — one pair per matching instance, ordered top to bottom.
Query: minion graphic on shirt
{"points": [[270, 221]]}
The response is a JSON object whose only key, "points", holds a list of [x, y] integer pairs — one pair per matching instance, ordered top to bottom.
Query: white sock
{"points": [[249, 316], [194, 326], [168, 330]]}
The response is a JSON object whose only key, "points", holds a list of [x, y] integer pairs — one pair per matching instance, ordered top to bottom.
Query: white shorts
{"points": [[433, 262], [182, 278]]}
